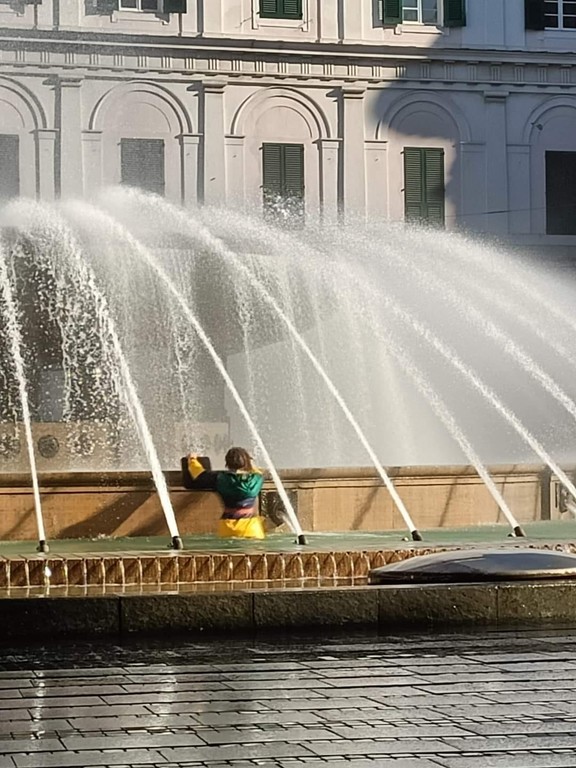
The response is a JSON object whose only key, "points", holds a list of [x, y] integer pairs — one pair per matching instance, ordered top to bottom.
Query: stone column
{"points": [[69, 122], [213, 145], [190, 149], [92, 161], [496, 162], [354, 165], [235, 169], [329, 178]]}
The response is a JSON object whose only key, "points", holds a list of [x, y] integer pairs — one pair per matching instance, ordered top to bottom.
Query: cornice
{"points": [[35, 39]]}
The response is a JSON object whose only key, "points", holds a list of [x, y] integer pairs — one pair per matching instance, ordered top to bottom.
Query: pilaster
{"points": [[45, 148], [190, 151], [214, 154], [92, 161], [496, 162], [354, 163], [235, 169], [329, 178]]}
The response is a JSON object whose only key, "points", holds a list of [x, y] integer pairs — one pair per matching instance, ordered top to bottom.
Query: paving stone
{"points": [[280, 718], [400, 732], [229, 736], [126, 741], [30, 745], [384, 747], [238, 752], [87, 759], [512, 761]]}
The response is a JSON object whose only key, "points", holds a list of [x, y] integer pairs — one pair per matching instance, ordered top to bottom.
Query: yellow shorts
{"points": [[246, 528]]}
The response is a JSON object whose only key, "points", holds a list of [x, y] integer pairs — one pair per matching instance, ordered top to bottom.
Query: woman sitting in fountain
{"points": [[238, 485]]}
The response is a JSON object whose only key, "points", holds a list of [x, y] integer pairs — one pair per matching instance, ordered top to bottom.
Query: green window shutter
{"points": [[175, 6], [270, 9], [291, 9], [392, 11], [454, 13], [534, 16], [142, 164], [9, 166], [293, 167], [271, 173], [283, 179], [434, 186], [424, 190], [414, 199]]}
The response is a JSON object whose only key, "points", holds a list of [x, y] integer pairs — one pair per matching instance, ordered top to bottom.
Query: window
{"points": [[140, 5], [105, 7], [281, 9], [422, 11], [448, 13], [560, 14], [142, 164], [9, 166], [283, 181], [424, 190], [561, 193]]}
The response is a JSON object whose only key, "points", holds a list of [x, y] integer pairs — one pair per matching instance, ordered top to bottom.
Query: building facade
{"points": [[457, 112]]}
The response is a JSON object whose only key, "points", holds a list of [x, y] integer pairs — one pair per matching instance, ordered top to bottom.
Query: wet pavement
{"points": [[477, 700]]}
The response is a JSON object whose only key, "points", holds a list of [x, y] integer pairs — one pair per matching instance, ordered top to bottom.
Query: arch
{"points": [[266, 98], [25, 103], [443, 106], [171, 107], [541, 114]]}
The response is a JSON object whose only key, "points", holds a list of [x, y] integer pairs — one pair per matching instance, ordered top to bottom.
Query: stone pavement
{"points": [[477, 700]]}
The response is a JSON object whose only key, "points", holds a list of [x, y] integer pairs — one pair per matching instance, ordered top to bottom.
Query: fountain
{"points": [[136, 331]]}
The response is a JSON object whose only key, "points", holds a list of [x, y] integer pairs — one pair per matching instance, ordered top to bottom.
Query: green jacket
{"points": [[239, 489]]}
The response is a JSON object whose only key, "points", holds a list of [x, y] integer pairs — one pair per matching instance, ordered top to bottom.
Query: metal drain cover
{"points": [[478, 565]]}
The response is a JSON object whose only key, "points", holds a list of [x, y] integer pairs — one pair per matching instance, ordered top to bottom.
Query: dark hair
{"points": [[238, 459]]}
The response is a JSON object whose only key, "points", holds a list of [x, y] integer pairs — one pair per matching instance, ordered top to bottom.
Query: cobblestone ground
{"points": [[484, 700]]}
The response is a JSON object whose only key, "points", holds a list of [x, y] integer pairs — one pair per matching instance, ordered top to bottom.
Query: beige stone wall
{"points": [[85, 505]]}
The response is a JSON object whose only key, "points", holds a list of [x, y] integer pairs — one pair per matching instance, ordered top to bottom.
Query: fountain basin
{"points": [[79, 505]]}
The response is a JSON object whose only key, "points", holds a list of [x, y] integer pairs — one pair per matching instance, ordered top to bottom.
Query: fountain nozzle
{"points": [[416, 536], [302, 539], [176, 543], [42, 546]]}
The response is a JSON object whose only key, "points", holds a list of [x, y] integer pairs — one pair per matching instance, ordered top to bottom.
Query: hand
{"points": [[192, 455]]}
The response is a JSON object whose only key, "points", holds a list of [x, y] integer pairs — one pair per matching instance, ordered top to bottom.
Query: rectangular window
{"points": [[141, 5], [281, 9], [421, 11], [447, 13], [560, 14], [142, 164], [9, 166], [283, 181], [424, 191], [561, 193]]}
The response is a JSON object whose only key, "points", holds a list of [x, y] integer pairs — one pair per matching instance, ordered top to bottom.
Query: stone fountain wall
{"points": [[83, 505]]}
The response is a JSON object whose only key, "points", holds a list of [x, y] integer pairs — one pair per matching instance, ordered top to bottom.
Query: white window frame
{"points": [[560, 7], [138, 9], [437, 23]]}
